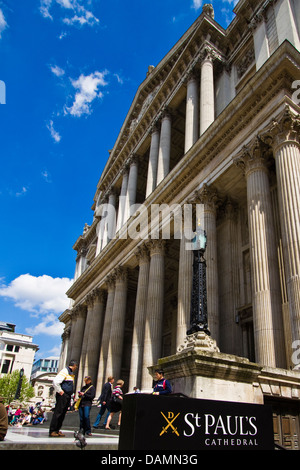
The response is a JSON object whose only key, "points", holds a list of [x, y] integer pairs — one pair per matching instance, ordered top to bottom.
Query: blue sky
{"points": [[70, 69]]}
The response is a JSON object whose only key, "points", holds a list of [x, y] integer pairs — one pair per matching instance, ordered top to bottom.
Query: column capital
{"points": [[208, 52], [191, 74], [166, 112], [155, 126], [283, 129], [253, 156], [133, 159], [124, 169], [208, 196], [228, 209], [156, 246], [142, 254], [121, 273], [110, 281], [98, 295], [89, 300], [79, 311]]}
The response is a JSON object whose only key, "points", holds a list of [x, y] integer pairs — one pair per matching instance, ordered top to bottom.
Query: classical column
{"points": [[207, 100], [192, 113], [284, 134], [164, 148], [153, 160], [132, 186], [208, 197], [122, 199], [111, 215], [101, 227], [228, 253], [185, 276], [266, 301], [154, 314], [80, 316], [139, 319], [72, 334], [95, 334], [64, 347], [114, 359], [82, 363], [103, 371]]}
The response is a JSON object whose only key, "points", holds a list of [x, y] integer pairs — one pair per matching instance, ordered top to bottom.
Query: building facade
{"points": [[211, 138], [16, 350], [42, 375]]}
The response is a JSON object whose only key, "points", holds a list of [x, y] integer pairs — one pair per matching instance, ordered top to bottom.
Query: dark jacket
{"points": [[163, 387], [106, 393], [89, 395]]}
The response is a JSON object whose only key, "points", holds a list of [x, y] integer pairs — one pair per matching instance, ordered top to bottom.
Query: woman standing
{"points": [[87, 394], [115, 405]]}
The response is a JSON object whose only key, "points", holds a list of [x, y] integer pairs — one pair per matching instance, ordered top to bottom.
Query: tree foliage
{"points": [[9, 385]]}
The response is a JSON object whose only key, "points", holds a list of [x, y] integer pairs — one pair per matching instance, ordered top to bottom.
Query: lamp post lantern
{"points": [[198, 318], [18, 392]]}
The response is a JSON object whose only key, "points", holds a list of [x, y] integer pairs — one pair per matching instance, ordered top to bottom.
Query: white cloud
{"points": [[197, 4], [45, 7], [78, 13], [86, 17], [3, 23], [58, 71], [87, 87], [54, 134], [46, 175], [22, 192], [38, 295], [49, 325]]}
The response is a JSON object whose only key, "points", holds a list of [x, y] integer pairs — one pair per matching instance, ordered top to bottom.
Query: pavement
{"points": [[37, 437]]}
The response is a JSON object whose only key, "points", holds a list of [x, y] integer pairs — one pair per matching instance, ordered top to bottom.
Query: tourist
{"points": [[63, 385], [162, 385], [86, 395], [104, 399], [116, 402], [3, 420]]}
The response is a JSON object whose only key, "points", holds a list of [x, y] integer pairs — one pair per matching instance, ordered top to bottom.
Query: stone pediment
{"points": [[157, 90]]}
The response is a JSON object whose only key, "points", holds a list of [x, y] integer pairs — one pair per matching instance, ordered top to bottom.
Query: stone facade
{"points": [[213, 127]]}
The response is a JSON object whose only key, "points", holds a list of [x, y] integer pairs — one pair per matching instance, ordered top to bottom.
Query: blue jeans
{"points": [[100, 414], [84, 415]]}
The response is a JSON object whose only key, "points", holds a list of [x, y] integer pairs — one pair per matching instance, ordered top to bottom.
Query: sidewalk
{"points": [[37, 437]]}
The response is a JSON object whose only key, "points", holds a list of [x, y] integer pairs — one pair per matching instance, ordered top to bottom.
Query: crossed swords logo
{"points": [[170, 420]]}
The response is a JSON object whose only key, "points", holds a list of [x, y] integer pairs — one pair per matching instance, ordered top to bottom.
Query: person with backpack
{"points": [[63, 385], [162, 386]]}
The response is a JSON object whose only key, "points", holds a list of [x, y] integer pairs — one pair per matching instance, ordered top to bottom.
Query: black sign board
{"points": [[152, 422]]}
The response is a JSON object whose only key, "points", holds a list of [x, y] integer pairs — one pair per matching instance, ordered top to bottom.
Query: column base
{"points": [[198, 341], [199, 370]]}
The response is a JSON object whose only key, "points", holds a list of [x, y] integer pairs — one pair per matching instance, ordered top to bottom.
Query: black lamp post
{"points": [[198, 319], [18, 392]]}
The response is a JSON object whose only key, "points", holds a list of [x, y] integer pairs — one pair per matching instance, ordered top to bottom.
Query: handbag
{"points": [[77, 404]]}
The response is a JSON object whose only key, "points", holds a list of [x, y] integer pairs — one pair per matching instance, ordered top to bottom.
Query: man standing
{"points": [[63, 385], [104, 400], [3, 420]]}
